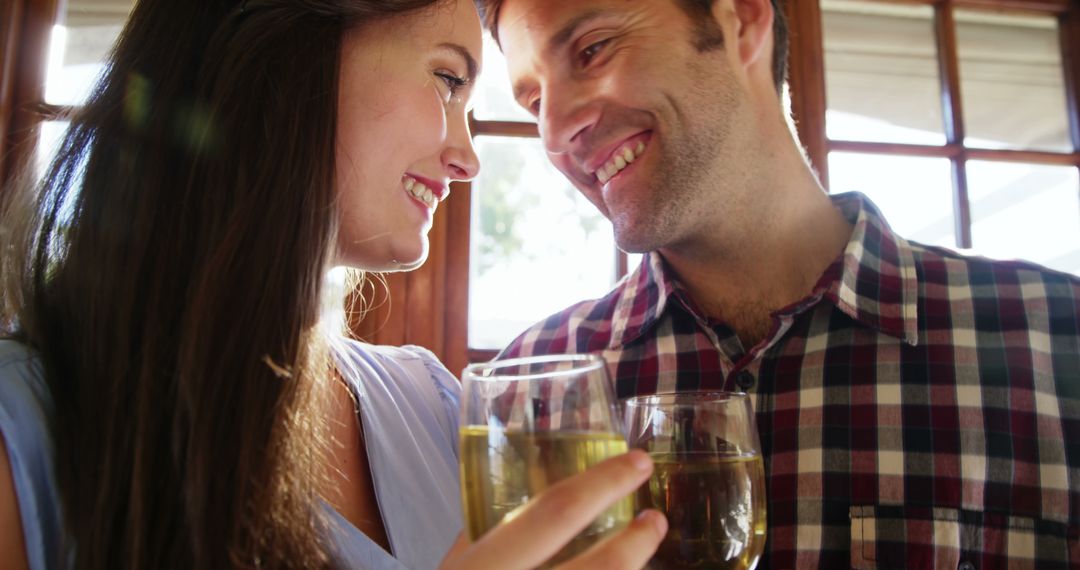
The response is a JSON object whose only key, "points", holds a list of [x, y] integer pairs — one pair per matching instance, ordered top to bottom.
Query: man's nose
{"points": [[567, 113]]}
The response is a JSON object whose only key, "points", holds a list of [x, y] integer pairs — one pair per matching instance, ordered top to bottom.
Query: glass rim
{"points": [[583, 363], [686, 399]]}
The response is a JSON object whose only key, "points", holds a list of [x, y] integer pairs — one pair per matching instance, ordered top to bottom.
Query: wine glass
{"points": [[528, 423], [709, 478]]}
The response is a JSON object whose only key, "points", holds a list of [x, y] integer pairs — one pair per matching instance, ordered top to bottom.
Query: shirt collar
{"points": [[875, 283], [878, 284], [642, 300]]}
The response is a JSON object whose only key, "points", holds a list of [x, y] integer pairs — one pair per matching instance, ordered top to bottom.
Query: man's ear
{"points": [[750, 24]]}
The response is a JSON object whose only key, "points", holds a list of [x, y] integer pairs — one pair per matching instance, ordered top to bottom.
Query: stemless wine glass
{"points": [[528, 423], [709, 478]]}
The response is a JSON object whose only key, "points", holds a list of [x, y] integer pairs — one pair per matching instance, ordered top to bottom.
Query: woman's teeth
{"points": [[618, 161], [421, 192]]}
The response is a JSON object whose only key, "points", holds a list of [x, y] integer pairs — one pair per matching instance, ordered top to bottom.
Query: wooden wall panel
{"points": [[11, 19], [459, 222], [425, 295]]}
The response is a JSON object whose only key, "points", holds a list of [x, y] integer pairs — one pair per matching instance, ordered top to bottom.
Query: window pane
{"points": [[80, 44], [881, 72], [1012, 81], [493, 99], [50, 136], [913, 193], [1026, 211], [537, 244], [633, 260]]}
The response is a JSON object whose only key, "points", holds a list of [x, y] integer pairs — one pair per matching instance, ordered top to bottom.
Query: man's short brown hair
{"points": [[699, 12]]}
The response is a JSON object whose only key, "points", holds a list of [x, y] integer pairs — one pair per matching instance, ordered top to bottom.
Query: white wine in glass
{"points": [[529, 423], [708, 480]]}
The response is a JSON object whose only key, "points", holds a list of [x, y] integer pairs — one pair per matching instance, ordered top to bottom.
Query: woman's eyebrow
{"points": [[472, 68]]}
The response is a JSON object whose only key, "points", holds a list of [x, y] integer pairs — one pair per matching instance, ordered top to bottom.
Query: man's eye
{"points": [[586, 55]]}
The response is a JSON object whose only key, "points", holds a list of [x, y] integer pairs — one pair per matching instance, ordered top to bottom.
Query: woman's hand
{"points": [[552, 519]]}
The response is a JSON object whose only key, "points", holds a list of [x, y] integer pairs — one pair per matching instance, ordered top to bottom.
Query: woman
{"points": [[171, 401]]}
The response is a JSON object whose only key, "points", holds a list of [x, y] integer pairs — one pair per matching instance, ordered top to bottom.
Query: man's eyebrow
{"points": [[567, 31], [561, 38], [471, 67]]}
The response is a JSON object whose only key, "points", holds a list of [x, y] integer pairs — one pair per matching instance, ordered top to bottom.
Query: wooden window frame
{"points": [[807, 83]]}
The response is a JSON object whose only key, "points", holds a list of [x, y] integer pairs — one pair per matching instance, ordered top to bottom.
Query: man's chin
{"points": [[636, 239]]}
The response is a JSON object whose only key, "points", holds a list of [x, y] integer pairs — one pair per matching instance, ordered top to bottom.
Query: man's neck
{"points": [[770, 258]]}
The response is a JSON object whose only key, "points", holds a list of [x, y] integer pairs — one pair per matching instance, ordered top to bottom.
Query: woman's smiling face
{"points": [[402, 130]]}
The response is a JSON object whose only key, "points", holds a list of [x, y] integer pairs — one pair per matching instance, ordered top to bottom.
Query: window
{"points": [[79, 43], [955, 122], [533, 237]]}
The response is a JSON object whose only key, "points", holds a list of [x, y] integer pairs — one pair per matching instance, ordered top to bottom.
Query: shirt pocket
{"points": [[886, 537]]}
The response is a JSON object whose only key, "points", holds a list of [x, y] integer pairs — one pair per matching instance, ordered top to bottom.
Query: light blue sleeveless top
{"points": [[409, 409]]}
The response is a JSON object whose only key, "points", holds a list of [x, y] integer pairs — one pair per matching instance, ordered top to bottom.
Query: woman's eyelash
{"points": [[454, 82]]}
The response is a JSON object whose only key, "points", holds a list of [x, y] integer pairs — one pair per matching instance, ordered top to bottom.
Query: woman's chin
{"points": [[384, 262], [397, 265]]}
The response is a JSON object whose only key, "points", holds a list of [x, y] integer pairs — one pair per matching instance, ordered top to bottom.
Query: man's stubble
{"points": [[695, 175]]}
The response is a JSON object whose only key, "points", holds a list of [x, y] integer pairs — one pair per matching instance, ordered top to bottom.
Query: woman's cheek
{"points": [[428, 119]]}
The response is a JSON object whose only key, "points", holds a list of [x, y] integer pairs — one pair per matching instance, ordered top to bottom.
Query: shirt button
{"points": [[745, 380], [965, 565]]}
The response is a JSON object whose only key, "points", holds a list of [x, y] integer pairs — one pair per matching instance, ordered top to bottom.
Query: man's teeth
{"points": [[619, 161], [421, 192]]}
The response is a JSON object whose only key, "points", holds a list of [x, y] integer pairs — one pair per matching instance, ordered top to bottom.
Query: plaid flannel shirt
{"points": [[918, 409]]}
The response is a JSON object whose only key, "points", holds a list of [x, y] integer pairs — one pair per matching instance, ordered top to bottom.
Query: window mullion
{"points": [[1069, 26], [806, 81], [24, 84], [953, 112], [505, 129]]}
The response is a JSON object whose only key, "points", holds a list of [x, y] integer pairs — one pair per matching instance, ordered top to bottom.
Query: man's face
{"points": [[629, 110]]}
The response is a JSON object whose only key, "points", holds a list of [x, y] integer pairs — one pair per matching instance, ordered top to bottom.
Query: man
{"points": [[917, 408]]}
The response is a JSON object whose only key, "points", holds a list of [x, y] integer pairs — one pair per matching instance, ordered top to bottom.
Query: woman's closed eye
{"points": [[454, 84]]}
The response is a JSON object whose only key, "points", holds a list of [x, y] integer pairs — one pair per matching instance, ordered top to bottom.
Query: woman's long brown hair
{"points": [[168, 270]]}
